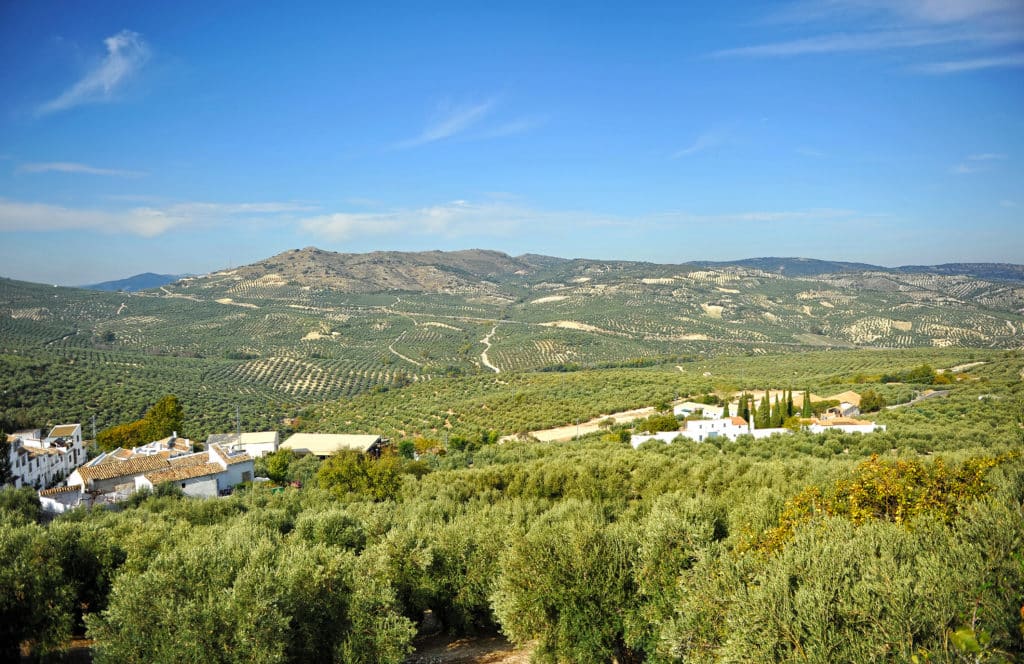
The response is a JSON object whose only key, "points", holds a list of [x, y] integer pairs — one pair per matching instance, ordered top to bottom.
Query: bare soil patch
{"points": [[493, 649]]}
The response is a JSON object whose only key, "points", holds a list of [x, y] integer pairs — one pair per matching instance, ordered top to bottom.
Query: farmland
{"points": [[309, 327]]}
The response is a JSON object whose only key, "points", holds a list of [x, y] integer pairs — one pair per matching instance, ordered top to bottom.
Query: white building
{"points": [[691, 408], [844, 424], [732, 428], [255, 444], [324, 445], [39, 461], [116, 475]]}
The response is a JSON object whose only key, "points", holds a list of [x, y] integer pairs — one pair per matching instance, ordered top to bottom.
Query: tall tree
{"points": [[789, 403], [805, 409]]}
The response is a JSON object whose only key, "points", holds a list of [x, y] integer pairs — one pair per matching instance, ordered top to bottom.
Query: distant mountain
{"points": [[793, 267], [812, 267], [424, 271], [989, 271], [139, 282]]}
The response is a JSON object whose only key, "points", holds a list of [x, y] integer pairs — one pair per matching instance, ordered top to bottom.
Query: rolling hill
{"points": [[307, 326]]}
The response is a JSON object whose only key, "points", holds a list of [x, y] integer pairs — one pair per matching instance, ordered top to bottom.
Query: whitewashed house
{"points": [[701, 431], [41, 461], [116, 475]]}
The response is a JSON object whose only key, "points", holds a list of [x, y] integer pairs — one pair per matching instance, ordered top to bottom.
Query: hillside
{"points": [[135, 283], [308, 326]]}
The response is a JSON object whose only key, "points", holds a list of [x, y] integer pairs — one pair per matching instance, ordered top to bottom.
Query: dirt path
{"points": [[487, 342], [407, 359], [962, 367], [570, 431], [478, 650]]}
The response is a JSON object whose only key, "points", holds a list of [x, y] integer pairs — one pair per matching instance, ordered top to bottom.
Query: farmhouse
{"points": [[844, 424], [255, 444], [324, 445], [39, 461], [114, 476]]}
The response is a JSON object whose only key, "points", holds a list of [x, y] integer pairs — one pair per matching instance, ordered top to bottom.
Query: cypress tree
{"points": [[789, 403], [725, 411], [805, 411], [777, 412], [764, 413]]}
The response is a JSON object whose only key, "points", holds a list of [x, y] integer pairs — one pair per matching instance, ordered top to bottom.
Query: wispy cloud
{"points": [[982, 29], [126, 53], [958, 66], [448, 122], [516, 126], [703, 142], [810, 152], [976, 162], [73, 167], [507, 217], [144, 221]]}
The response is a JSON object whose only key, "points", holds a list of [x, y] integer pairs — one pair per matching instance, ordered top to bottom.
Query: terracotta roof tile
{"points": [[137, 465], [184, 473], [60, 489]]}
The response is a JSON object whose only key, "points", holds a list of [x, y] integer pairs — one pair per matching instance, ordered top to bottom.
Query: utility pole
{"points": [[238, 424]]}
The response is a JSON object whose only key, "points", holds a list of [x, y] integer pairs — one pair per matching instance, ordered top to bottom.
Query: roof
{"points": [[849, 397], [738, 421], [63, 430], [247, 438], [326, 444], [229, 459], [187, 460], [137, 465], [184, 473], [61, 489]]}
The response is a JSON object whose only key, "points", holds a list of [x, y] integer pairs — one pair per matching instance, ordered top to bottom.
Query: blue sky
{"points": [[173, 138]]}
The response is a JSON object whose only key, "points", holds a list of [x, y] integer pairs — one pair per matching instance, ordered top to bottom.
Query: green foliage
{"points": [[871, 401], [161, 420], [658, 422], [348, 473], [895, 491], [19, 506], [568, 584], [244, 595], [35, 604]]}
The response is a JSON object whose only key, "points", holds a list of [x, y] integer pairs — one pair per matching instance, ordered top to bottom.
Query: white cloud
{"points": [[127, 52], [957, 66], [449, 122], [703, 142], [986, 156], [72, 167], [145, 221]]}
